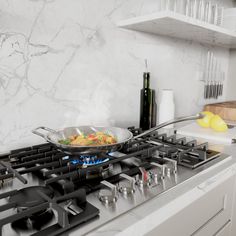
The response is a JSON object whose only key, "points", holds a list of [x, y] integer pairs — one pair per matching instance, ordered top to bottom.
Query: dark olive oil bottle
{"points": [[146, 101], [154, 109]]}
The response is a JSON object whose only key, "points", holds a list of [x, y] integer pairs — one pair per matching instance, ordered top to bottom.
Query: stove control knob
{"points": [[173, 165], [161, 167], [168, 172], [154, 176], [145, 177], [127, 188], [108, 195]]}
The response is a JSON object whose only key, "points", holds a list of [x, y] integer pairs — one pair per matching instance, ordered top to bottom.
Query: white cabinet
{"points": [[208, 215], [225, 229]]}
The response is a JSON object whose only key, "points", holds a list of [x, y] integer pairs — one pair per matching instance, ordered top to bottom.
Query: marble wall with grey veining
{"points": [[65, 62], [231, 94]]}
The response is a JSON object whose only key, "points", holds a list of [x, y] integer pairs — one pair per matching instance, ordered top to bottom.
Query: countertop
{"points": [[146, 217]]}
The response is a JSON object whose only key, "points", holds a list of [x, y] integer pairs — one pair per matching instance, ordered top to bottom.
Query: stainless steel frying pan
{"points": [[122, 135]]}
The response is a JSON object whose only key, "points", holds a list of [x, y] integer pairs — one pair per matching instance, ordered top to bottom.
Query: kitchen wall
{"points": [[65, 62], [231, 95]]}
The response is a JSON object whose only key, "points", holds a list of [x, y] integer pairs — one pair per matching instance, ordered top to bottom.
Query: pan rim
{"points": [[47, 136]]}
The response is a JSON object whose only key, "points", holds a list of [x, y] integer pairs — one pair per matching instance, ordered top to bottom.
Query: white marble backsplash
{"points": [[65, 63]]}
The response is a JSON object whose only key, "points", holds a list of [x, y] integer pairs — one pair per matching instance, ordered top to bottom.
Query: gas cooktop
{"points": [[46, 192]]}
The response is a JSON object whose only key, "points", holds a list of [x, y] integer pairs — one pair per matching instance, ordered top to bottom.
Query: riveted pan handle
{"points": [[177, 120], [43, 135]]}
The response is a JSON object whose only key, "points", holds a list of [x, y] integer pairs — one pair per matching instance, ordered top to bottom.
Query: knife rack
{"points": [[213, 77]]}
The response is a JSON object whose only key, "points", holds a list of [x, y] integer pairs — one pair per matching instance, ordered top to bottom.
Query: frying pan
{"points": [[122, 135]]}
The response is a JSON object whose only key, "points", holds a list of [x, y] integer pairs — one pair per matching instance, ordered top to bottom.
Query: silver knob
{"points": [[173, 163], [161, 167], [168, 172], [154, 176], [145, 177], [127, 188], [108, 195]]}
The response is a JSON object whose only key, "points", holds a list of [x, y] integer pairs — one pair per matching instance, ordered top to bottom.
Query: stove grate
{"points": [[65, 219]]}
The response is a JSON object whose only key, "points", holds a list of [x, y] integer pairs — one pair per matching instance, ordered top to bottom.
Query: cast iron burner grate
{"points": [[166, 151], [29, 197], [39, 203], [36, 221]]}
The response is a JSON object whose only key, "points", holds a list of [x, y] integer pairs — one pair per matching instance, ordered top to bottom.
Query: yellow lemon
{"points": [[205, 121], [218, 124]]}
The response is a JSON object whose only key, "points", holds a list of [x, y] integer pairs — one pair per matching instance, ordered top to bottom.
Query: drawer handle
{"points": [[213, 217]]}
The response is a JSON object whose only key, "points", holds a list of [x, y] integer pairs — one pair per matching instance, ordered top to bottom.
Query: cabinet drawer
{"points": [[203, 217], [214, 228], [225, 229]]}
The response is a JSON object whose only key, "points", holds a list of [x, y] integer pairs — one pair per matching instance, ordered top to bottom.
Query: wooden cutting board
{"points": [[226, 110]]}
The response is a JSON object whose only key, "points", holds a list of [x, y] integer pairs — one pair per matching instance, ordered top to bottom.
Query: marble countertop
{"points": [[155, 211]]}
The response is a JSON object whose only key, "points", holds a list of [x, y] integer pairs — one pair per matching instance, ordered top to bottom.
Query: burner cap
{"points": [[167, 151], [29, 197]]}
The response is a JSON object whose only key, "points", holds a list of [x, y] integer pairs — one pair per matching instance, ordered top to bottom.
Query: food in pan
{"points": [[95, 139]]}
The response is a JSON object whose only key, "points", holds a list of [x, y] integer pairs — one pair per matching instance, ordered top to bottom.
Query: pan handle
{"points": [[177, 120], [36, 131]]}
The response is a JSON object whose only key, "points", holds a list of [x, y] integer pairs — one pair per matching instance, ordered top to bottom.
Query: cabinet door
{"points": [[206, 215]]}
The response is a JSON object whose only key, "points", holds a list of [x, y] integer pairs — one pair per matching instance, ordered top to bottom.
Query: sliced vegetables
{"points": [[95, 139]]}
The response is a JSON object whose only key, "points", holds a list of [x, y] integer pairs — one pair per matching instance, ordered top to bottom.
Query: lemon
{"points": [[205, 121], [218, 124]]}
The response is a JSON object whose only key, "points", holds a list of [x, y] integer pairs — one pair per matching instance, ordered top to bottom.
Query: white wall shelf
{"points": [[175, 25]]}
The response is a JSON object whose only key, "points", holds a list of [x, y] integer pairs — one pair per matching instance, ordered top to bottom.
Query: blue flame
{"points": [[88, 160], [75, 162]]}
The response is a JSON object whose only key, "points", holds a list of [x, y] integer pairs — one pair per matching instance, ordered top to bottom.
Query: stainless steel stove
{"points": [[46, 192]]}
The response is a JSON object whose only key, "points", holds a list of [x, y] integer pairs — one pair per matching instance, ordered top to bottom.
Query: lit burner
{"points": [[88, 160]]}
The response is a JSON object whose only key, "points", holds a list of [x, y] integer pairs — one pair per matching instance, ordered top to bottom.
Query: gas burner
{"points": [[134, 130], [167, 151], [87, 160], [27, 198], [34, 222]]}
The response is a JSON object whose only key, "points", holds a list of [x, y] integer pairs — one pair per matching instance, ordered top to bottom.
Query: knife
{"points": [[211, 62], [208, 66]]}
